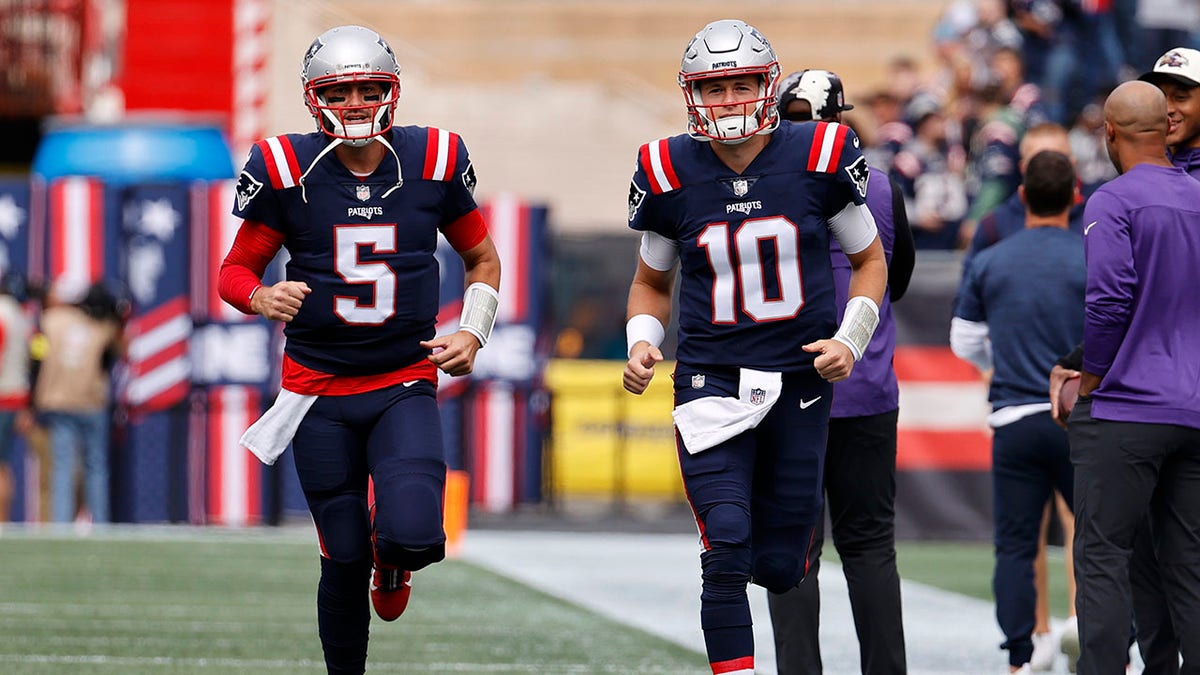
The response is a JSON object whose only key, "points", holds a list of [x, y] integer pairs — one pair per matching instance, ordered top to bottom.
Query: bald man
{"points": [[1135, 432]]}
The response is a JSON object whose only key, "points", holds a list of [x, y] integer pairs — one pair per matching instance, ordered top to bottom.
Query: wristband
{"points": [[479, 311], [858, 325], [643, 327]]}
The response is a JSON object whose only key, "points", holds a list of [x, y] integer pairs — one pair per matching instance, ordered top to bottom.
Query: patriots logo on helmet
{"points": [[312, 51], [1172, 60], [858, 173], [247, 189], [636, 196]]}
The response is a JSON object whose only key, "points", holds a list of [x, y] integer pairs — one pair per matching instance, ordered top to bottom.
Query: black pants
{"points": [[1124, 471], [860, 489]]}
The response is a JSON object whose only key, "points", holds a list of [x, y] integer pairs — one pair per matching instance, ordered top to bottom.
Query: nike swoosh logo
{"points": [[1089, 227], [410, 383], [804, 404]]}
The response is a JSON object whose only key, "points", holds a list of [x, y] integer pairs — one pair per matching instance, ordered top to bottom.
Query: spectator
{"points": [[993, 161], [931, 180], [14, 380], [72, 395]]}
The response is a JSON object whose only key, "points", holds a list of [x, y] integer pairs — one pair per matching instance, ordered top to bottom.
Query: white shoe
{"points": [[1069, 642], [1045, 649]]}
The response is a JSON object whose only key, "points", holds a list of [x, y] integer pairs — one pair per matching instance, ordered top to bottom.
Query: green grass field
{"points": [[180, 601], [246, 604]]}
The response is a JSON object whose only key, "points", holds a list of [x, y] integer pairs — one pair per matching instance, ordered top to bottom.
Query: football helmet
{"points": [[729, 48], [350, 54], [821, 88]]}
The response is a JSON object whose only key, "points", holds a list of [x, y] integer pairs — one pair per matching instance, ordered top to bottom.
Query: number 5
{"points": [[346, 241]]}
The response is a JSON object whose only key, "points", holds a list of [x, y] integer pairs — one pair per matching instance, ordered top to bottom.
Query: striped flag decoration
{"points": [[76, 228], [234, 476]]}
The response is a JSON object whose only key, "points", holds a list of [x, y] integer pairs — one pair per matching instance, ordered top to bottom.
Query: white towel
{"points": [[708, 421], [270, 435]]}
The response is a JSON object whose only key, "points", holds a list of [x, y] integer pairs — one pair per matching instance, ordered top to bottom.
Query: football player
{"points": [[359, 204], [745, 208], [860, 458]]}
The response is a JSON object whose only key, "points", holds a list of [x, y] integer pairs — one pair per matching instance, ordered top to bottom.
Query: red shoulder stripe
{"points": [[431, 145], [664, 150], [814, 151], [290, 154], [451, 154], [835, 157], [644, 158], [656, 162], [272, 168]]}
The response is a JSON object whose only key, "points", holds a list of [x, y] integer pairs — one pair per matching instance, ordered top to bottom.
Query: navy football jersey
{"points": [[366, 250], [756, 281]]}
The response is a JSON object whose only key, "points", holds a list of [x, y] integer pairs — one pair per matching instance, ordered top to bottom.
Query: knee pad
{"points": [[408, 513], [727, 525], [342, 526], [778, 572]]}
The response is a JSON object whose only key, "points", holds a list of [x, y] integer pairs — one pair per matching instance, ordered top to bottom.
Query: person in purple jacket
{"points": [[1135, 431], [860, 454]]}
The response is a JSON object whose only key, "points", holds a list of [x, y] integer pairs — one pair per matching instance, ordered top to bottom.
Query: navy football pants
{"points": [[394, 436], [757, 498]]}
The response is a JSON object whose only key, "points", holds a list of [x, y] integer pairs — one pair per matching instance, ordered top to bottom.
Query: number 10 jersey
{"points": [[755, 276]]}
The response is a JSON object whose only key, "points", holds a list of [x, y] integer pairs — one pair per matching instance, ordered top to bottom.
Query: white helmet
{"points": [[729, 48], [351, 54]]}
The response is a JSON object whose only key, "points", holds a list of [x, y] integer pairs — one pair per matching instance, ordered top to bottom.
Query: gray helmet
{"points": [[729, 48], [348, 54], [821, 88]]}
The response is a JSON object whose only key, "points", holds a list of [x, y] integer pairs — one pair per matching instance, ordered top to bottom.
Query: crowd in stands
{"points": [[950, 137]]}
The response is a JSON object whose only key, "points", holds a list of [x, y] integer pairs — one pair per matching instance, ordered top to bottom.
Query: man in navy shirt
{"points": [[358, 205], [745, 207], [1021, 305], [1135, 431], [860, 457]]}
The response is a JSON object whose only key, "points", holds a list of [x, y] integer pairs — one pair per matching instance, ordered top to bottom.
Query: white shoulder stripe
{"points": [[827, 140], [443, 154], [281, 163], [656, 164]]}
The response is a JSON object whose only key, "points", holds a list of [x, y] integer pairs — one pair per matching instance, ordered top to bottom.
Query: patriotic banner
{"points": [[15, 215], [78, 237], [156, 275], [233, 479]]}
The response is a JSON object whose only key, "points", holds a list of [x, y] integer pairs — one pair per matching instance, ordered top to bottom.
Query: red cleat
{"points": [[390, 586], [390, 590]]}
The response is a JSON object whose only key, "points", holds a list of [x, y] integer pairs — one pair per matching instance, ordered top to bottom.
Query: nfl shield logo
{"points": [[740, 187], [363, 193], [697, 381], [758, 396]]}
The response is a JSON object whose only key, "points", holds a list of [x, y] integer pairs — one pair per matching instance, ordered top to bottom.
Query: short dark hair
{"points": [[1049, 183]]}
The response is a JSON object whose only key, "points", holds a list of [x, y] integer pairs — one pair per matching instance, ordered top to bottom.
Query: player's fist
{"points": [[280, 302], [453, 353], [834, 360], [639, 369]]}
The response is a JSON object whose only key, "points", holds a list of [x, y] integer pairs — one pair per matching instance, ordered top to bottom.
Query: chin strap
{"points": [[338, 141]]}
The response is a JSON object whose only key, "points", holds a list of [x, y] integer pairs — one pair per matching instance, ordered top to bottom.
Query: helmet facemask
{"points": [[758, 115], [332, 118]]}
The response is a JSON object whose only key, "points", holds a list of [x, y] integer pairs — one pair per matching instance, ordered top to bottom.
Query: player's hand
{"points": [[280, 302], [453, 353], [834, 360], [639, 369], [1059, 375]]}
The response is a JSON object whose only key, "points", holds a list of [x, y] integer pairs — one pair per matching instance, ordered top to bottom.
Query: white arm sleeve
{"points": [[854, 227], [658, 252], [969, 342]]}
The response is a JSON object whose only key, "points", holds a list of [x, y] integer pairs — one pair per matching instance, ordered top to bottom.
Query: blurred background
{"points": [[125, 121]]}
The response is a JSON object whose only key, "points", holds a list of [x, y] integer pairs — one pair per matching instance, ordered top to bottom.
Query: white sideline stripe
{"points": [[949, 406], [104, 659]]}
